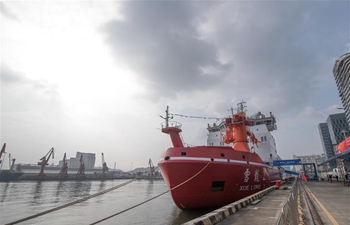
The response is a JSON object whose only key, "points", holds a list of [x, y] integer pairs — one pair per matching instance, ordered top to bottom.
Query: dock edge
{"points": [[222, 213]]}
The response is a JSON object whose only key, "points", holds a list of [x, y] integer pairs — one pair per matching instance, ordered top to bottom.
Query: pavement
{"points": [[332, 202], [262, 208], [265, 212]]}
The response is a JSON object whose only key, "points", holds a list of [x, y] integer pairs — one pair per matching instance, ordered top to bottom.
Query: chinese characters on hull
{"points": [[246, 175]]}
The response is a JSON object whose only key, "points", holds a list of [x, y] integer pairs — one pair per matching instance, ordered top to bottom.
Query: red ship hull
{"points": [[213, 176]]}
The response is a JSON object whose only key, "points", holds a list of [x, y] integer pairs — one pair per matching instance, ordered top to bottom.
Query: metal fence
{"points": [[290, 214]]}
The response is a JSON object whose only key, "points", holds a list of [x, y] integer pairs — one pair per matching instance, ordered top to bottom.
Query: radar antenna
{"points": [[241, 107]]}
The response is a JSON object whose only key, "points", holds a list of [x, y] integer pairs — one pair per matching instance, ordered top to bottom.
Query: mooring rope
{"points": [[72, 203], [108, 217]]}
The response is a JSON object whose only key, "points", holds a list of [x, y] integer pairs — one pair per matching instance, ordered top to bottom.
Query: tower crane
{"points": [[44, 162], [104, 166], [151, 168], [81, 170], [63, 173]]}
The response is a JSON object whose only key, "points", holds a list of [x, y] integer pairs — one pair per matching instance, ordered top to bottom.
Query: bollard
{"points": [[278, 183]]}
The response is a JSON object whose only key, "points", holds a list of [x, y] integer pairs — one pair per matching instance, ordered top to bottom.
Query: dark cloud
{"points": [[6, 12], [159, 41], [277, 49], [280, 50]]}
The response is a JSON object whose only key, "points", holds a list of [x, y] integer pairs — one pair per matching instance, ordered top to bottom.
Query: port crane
{"points": [[2, 152], [45, 161], [13, 162], [104, 166], [151, 168], [81, 170], [63, 173]]}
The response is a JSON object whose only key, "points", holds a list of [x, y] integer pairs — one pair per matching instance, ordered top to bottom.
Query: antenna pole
{"points": [[241, 107], [231, 110], [167, 117]]}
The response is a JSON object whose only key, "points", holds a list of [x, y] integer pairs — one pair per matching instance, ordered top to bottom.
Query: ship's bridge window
{"points": [[262, 138]]}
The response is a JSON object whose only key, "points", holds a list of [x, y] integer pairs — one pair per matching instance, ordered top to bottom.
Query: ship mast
{"points": [[241, 107], [167, 117], [173, 130]]}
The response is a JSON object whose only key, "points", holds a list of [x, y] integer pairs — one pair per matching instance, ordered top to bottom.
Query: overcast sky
{"points": [[95, 76]]}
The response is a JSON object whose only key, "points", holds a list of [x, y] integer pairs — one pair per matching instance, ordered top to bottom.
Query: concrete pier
{"points": [[331, 201]]}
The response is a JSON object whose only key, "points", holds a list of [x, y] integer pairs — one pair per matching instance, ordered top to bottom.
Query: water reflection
{"points": [[60, 185], [102, 185], [150, 187], [80, 189], [4, 192], [37, 193], [43, 194], [182, 216]]}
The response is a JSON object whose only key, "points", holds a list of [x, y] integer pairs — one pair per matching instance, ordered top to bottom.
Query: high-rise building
{"points": [[341, 72], [338, 128], [332, 133], [326, 141]]}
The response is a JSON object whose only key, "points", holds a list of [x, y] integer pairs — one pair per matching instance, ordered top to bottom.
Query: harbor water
{"points": [[26, 198]]}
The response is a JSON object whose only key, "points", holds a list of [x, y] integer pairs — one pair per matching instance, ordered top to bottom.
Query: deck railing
{"points": [[171, 124]]}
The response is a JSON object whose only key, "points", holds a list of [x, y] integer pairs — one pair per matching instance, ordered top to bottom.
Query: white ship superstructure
{"points": [[261, 126]]}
